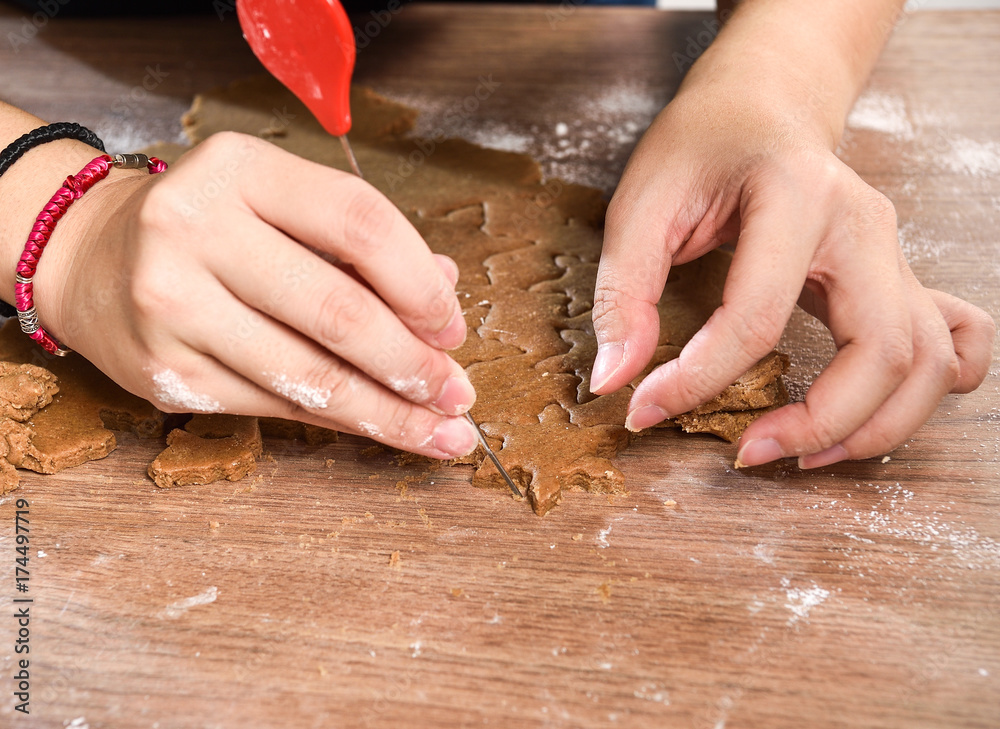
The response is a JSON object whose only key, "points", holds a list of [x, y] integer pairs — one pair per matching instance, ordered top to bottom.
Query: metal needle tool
{"points": [[312, 52], [351, 159], [468, 416], [479, 434], [493, 457]]}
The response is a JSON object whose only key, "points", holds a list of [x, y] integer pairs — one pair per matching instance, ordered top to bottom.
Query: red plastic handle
{"points": [[309, 46]]}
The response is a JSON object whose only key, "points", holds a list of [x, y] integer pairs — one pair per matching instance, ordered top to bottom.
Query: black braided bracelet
{"points": [[49, 133]]}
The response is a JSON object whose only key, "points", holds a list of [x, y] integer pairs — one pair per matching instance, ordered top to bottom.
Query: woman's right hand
{"points": [[197, 290]]}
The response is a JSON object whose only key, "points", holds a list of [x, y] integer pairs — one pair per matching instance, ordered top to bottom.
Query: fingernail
{"points": [[449, 268], [451, 271], [454, 334], [610, 356], [457, 396], [645, 417], [455, 437], [756, 452], [833, 454]]}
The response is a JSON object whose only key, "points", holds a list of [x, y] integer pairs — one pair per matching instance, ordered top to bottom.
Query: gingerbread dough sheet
{"points": [[527, 252]]}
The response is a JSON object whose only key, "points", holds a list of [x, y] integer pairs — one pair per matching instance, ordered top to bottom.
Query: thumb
{"points": [[640, 234]]}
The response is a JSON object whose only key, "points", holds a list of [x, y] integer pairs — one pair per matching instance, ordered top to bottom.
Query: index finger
{"points": [[341, 214]]}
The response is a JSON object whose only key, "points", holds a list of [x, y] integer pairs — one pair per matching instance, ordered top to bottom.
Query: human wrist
{"points": [[809, 61], [759, 85], [25, 189], [73, 267]]}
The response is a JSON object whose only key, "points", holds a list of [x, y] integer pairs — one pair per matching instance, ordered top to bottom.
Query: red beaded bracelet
{"points": [[46, 222]]}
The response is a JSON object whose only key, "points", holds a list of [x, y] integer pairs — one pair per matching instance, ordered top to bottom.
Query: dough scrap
{"points": [[527, 251], [24, 390], [728, 425], [76, 426], [48, 427], [295, 430], [207, 449]]}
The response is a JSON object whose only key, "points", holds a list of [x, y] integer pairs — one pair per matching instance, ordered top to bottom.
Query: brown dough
{"points": [[527, 252], [761, 387], [24, 390], [725, 424], [76, 426], [47, 427], [294, 430], [209, 448], [554, 455]]}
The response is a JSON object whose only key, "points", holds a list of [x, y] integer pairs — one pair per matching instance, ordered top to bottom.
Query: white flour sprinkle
{"points": [[630, 99], [883, 113], [606, 129], [603, 130], [494, 136], [937, 144], [969, 157], [918, 245], [412, 388], [171, 390], [299, 392], [369, 429], [893, 521], [602, 538], [764, 553], [800, 602], [176, 609], [415, 647], [653, 692]]}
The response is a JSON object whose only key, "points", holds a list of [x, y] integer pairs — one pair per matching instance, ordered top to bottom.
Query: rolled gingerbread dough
{"points": [[527, 251]]}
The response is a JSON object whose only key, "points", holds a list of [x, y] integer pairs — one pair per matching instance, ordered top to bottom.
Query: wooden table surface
{"points": [[860, 595]]}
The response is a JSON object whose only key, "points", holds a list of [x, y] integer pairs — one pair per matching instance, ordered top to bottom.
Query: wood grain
{"points": [[861, 595]]}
